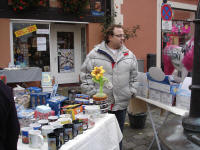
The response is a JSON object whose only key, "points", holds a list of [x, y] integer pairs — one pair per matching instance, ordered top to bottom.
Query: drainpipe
{"points": [[192, 122]]}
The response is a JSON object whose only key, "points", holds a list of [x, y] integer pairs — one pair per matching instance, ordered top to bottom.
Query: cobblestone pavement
{"points": [[140, 139]]}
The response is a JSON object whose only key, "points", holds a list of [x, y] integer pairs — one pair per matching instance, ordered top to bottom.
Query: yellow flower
{"points": [[97, 72]]}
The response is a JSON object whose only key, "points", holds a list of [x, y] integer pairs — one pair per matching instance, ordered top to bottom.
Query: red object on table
{"points": [[3, 78], [43, 115]]}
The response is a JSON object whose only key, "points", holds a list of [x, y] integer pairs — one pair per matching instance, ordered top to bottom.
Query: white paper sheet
{"points": [[42, 31], [41, 44], [186, 83]]}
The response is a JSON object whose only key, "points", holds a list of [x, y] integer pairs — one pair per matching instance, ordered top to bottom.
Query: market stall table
{"points": [[27, 74], [168, 108], [105, 135]]}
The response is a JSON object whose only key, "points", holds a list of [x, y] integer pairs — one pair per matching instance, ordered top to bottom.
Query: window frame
{"points": [[174, 5], [12, 21]]}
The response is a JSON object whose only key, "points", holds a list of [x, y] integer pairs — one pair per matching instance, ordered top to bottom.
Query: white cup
{"points": [[52, 118], [43, 122], [56, 124], [35, 126], [46, 130], [25, 134], [36, 140]]}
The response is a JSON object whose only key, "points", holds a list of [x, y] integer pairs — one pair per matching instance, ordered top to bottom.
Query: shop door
{"points": [[65, 53]]}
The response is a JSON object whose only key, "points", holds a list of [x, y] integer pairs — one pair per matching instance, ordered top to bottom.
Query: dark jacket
{"points": [[9, 124]]}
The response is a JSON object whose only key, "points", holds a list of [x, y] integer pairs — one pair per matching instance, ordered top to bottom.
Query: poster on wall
{"points": [[96, 8], [166, 25], [26, 30], [41, 44], [66, 60], [46, 79]]}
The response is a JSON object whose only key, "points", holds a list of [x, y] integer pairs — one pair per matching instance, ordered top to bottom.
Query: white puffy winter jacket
{"points": [[120, 71]]}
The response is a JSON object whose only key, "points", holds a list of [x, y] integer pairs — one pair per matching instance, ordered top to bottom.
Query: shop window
{"points": [[182, 28], [181, 32], [31, 45]]}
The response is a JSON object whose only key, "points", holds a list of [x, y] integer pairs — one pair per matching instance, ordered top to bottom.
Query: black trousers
{"points": [[120, 115]]}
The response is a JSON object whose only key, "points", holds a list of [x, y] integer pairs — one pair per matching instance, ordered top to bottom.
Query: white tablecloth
{"points": [[105, 135]]}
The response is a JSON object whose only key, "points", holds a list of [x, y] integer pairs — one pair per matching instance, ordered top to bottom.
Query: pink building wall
{"points": [[143, 13], [94, 35], [4, 42]]}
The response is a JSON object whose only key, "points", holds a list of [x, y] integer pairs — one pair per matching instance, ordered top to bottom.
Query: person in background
{"points": [[121, 69], [9, 124]]}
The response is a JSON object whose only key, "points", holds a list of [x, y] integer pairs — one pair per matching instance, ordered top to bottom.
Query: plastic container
{"points": [[34, 90], [18, 91], [72, 94], [56, 103], [43, 112], [137, 121]]}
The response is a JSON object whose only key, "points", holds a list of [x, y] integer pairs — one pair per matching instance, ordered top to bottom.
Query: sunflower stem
{"points": [[101, 83]]}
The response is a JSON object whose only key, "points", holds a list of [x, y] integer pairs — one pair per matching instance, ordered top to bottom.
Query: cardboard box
{"points": [[160, 86], [163, 86], [47, 89], [163, 91], [154, 95], [183, 96], [167, 98], [183, 101], [56, 102], [137, 106], [73, 110]]}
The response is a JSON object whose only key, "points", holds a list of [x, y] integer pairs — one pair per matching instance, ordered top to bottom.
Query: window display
{"points": [[182, 28], [181, 32], [31, 45], [65, 46]]}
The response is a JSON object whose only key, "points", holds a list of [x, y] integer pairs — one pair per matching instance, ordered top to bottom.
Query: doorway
{"points": [[65, 52]]}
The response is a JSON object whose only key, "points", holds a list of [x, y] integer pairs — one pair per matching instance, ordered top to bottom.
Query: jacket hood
{"points": [[103, 46]]}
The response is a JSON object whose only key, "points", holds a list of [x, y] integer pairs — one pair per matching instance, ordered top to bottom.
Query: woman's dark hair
{"points": [[109, 32]]}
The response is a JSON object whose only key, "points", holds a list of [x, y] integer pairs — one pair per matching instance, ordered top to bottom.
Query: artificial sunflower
{"points": [[98, 72], [98, 77]]}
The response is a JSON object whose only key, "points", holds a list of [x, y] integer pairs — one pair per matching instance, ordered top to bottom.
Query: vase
{"points": [[100, 97], [101, 100]]}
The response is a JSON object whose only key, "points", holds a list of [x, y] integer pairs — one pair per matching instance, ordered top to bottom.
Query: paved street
{"points": [[140, 139]]}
